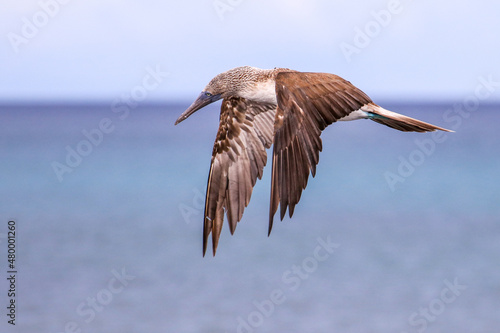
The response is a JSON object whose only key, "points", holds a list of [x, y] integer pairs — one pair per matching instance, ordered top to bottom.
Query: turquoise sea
{"points": [[398, 232]]}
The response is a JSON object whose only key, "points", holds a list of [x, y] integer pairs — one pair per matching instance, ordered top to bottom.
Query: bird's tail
{"points": [[398, 121]]}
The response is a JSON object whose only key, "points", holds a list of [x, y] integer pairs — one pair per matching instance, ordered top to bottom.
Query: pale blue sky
{"points": [[102, 50]]}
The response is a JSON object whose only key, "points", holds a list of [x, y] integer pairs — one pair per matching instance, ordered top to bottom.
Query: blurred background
{"points": [[108, 195]]}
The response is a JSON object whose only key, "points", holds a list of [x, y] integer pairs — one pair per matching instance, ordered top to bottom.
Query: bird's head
{"points": [[223, 85]]}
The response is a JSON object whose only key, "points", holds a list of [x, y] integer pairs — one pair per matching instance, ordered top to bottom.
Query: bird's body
{"points": [[262, 92], [286, 108]]}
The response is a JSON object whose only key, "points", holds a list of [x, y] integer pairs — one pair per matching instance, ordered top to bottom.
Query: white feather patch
{"points": [[264, 91], [355, 115]]}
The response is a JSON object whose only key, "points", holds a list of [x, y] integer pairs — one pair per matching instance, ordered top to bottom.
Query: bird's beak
{"points": [[202, 101]]}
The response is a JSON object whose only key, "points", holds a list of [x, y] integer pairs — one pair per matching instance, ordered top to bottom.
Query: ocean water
{"points": [[398, 232]]}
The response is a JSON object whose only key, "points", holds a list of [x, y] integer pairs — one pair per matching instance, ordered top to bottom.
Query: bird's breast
{"points": [[263, 91]]}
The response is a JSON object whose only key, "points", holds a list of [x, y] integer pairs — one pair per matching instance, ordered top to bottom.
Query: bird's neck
{"points": [[260, 85], [261, 90]]}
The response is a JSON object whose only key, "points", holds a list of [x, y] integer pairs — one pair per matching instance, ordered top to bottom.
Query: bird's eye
{"points": [[208, 94]]}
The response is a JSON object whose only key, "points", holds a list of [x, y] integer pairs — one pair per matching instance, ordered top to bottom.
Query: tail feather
{"points": [[398, 121]]}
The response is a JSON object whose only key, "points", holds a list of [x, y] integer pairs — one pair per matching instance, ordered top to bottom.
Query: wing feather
{"points": [[307, 104], [238, 159]]}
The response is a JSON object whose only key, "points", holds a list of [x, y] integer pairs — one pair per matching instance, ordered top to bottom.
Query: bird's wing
{"points": [[307, 103], [238, 158]]}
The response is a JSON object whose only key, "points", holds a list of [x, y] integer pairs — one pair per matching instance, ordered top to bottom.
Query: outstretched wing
{"points": [[307, 104], [238, 158]]}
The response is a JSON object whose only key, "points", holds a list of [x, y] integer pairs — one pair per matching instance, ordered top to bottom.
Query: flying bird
{"points": [[287, 108]]}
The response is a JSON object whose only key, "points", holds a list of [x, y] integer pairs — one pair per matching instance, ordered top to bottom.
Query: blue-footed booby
{"points": [[289, 109]]}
